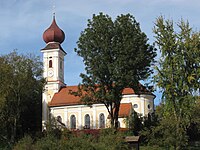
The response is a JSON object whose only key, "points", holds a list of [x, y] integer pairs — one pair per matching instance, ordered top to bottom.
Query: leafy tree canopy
{"points": [[116, 55], [178, 74], [20, 95]]}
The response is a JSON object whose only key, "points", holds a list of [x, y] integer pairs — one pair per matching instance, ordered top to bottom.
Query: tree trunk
{"points": [[116, 114], [112, 121], [14, 130]]}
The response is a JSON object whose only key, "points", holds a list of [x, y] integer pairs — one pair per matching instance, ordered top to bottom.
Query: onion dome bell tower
{"points": [[53, 33], [53, 63]]}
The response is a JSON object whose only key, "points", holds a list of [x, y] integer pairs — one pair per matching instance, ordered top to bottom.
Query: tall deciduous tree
{"points": [[116, 55], [178, 75], [20, 95]]}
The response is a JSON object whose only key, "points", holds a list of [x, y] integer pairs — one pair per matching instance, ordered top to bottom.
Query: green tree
{"points": [[116, 55], [178, 74], [20, 89], [135, 123], [193, 131], [151, 132]]}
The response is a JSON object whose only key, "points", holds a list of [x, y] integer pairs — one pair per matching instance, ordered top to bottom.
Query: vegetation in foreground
{"points": [[20, 96], [106, 139]]}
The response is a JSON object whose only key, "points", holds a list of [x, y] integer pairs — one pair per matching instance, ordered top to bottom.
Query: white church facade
{"points": [[67, 108]]}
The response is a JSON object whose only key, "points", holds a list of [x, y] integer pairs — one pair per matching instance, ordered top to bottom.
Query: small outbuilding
{"points": [[133, 142]]}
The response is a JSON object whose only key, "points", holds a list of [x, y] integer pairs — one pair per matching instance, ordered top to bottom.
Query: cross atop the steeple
{"points": [[53, 8]]}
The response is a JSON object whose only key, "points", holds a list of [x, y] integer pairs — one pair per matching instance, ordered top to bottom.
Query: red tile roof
{"points": [[141, 90], [65, 98], [125, 110]]}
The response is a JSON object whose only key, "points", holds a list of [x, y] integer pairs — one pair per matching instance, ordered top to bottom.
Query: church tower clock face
{"points": [[50, 73]]}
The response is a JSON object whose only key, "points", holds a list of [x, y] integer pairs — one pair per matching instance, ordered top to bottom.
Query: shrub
{"points": [[110, 139], [25, 143], [47, 143]]}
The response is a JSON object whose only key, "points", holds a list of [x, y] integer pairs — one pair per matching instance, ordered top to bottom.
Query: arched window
{"points": [[50, 63], [149, 106], [59, 118], [87, 121], [101, 121], [73, 122]]}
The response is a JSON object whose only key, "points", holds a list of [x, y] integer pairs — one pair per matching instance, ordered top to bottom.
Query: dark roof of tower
{"points": [[53, 45]]}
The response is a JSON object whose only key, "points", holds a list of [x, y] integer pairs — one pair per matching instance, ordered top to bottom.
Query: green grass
{"points": [[191, 146], [150, 148]]}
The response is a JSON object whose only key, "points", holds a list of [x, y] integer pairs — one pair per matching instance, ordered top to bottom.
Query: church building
{"points": [[68, 109]]}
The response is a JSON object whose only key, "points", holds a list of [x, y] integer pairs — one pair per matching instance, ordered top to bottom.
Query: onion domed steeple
{"points": [[54, 33]]}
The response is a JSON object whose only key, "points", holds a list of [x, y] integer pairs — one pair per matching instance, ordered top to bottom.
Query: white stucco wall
{"points": [[142, 102], [96, 109], [80, 111]]}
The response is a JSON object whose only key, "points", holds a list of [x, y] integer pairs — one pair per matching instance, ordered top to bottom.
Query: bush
{"points": [[105, 139], [110, 139], [82, 142], [25, 143], [47, 143]]}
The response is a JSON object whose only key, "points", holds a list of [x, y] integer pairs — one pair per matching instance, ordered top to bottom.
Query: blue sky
{"points": [[24, 21]]}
